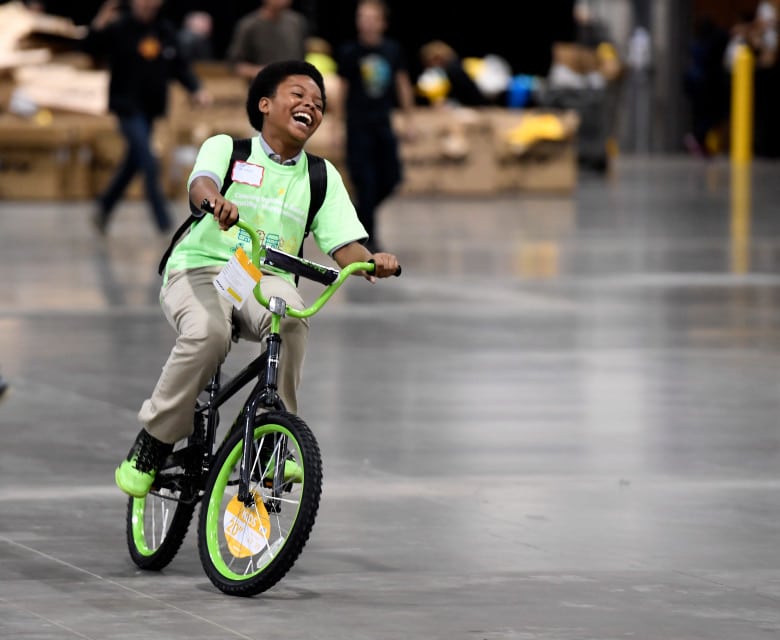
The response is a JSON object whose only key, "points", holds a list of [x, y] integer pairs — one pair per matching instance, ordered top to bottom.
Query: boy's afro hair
{"points": [[268, 79]]}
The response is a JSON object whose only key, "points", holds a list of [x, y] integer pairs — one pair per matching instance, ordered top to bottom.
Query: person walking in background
{"points": [[272, 32], [143, 54], [375, 81], [707, 87], [3, 388]]}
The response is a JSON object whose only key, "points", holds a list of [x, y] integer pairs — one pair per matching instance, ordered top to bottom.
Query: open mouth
{"points": [[303, 118]]}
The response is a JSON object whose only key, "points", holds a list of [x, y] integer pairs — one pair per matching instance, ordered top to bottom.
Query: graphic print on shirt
{"points": [[149, 48], [376, 74], [278, 224]]}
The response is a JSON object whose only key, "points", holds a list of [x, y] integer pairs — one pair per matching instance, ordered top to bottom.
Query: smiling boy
{"points": [[270, 190]]}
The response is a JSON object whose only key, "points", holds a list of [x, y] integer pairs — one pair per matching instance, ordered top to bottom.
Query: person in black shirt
{"points": [[143, 54], [375, 81]]}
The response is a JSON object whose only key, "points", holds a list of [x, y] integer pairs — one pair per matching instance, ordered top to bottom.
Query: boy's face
{"points": [[294, 113]]}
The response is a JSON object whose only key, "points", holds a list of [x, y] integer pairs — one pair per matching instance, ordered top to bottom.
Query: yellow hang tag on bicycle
{"points": [[238, 278], [246, 530]]}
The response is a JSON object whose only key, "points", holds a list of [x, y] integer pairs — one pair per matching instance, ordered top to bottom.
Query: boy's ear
{"points": [[263, 105]]}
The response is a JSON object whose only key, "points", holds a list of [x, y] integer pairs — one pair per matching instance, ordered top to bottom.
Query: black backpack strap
{"points": [[242, 148], [318, 184], [176, 235]]}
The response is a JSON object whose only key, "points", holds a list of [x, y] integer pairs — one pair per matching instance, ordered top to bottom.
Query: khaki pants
{"points": [[202, 320]]}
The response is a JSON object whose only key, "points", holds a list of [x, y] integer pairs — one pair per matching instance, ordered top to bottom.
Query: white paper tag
{"points": [[247, 173], [238, 278]]}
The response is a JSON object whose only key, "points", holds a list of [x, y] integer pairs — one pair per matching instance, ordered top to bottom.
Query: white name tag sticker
{"points": [[247, 173], [238, 278]]}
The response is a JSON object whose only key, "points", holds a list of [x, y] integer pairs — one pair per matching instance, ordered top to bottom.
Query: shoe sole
{"points": [[132, 492]]}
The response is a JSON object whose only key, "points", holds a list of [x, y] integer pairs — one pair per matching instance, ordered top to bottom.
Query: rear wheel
{"points": [[158, 522], [246, 549]]}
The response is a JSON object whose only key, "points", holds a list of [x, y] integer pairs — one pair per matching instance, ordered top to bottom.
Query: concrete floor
{"points": [[560, 423]]}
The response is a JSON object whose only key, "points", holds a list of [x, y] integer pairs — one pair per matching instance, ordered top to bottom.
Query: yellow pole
{"points": [[742, 106], [741, 156], [740, 217]]}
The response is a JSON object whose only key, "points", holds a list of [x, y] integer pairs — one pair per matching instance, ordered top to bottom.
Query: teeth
{"points": [[302, 117]]}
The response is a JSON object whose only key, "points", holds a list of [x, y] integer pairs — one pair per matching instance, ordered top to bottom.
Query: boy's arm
{"points": [[225, 212], [386, 263]]}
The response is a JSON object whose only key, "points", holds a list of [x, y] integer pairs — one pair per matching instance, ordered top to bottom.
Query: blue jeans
{"points": [[137, 130]]}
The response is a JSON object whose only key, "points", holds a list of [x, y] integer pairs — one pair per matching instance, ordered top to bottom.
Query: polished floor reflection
{"points": [[560, 423]]}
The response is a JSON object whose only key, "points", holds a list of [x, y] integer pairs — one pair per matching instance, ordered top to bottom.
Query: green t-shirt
{"points": [[274, 198]]}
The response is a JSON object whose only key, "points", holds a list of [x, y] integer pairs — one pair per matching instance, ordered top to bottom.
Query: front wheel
{"points": [[246, 547]]}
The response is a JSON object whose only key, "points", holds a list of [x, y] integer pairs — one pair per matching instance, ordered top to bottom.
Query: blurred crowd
{"points": [[275, 30], [587, 72], [708, 76]]}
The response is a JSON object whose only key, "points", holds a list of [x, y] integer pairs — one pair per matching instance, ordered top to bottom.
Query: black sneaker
{"points": [[136, 474]]}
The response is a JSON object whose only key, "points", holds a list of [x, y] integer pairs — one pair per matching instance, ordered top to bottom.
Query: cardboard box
{"points": [[61, 87], [191, 124], [535, 150], [447, 154], [34, 159], [555, 171], [33, 173], [78, 179]]}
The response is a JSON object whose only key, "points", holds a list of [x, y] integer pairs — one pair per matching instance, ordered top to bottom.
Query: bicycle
{"points": [[260, 487]]}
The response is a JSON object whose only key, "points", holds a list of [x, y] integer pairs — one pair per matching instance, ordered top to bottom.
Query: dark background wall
{"points": [[473, 29]]}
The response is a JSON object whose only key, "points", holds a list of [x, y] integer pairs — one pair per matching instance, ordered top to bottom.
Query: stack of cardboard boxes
{"points": [[472, 151]]}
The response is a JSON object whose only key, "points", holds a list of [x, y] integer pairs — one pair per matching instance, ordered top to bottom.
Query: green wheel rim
{"points": [[213, 521], [139, 535]]}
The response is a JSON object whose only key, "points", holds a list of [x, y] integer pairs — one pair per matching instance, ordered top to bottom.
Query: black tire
{"points": [[157, 524], [246, 550], [146, 551]]}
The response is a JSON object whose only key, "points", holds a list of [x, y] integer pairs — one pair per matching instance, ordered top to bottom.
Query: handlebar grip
{"points": [[206, 206], [397, 271]]}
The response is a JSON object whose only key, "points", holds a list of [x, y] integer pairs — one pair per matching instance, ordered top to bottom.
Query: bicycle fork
{"points": [[269, 399]]}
